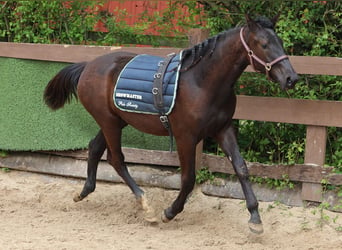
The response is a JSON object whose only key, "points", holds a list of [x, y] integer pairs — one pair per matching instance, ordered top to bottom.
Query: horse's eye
{"points": [[264, 46]]}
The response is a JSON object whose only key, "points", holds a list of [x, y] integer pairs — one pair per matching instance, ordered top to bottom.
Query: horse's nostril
{"points": [[289, 81]]}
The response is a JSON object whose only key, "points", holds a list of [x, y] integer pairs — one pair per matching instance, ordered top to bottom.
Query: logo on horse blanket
{"points": [[133, 90]]}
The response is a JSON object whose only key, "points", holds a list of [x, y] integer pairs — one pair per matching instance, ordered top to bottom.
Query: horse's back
{"points": [[102, 64], [98, 79]]}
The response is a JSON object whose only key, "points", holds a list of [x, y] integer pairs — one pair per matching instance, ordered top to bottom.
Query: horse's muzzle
{"points": [[291, 81]]}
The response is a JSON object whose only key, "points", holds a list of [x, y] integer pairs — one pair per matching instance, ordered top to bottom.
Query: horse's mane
{"points": [[198, 51]]}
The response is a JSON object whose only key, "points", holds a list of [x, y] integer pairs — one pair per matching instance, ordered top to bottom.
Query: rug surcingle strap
{"points": [[157, 92]]}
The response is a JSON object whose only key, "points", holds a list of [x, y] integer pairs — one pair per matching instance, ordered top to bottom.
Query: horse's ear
{"points": [[248, 18], [274, 20], [250, 22]]}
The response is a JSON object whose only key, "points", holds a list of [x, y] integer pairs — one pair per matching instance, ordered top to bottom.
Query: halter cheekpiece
{"points": [[268, 66]]}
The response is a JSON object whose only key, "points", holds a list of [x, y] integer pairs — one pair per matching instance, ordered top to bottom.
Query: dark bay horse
{"points": [[204, 106]]}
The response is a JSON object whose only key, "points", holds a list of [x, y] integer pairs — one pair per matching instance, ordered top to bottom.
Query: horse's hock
{"points": [[292, 111]]}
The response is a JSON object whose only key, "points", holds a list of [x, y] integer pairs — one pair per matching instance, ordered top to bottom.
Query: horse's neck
{"points": [[227, 62]]}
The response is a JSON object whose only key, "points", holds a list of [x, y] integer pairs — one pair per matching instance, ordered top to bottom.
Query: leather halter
{"points": [[268, 66]]}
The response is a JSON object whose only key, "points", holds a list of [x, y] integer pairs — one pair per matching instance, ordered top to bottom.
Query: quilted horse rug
{"points": [[134, 86]]}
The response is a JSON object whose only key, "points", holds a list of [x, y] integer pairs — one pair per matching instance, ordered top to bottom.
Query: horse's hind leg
{"points": [[227, 140], [97, 147], [115, 157]]}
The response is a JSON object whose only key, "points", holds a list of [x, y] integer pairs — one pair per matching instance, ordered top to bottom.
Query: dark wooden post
{"points": [[197, 36], [316, 138]]}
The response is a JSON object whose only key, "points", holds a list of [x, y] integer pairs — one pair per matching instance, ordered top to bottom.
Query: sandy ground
{"points": [[37, 212]]}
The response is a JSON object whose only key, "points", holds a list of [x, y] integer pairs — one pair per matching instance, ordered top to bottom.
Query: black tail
{"points": [[63, 86]]}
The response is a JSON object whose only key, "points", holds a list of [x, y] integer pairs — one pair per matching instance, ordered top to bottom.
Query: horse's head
{"points": [[265, 51]]}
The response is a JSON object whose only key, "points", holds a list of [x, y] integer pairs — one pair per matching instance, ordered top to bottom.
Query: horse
{"points": [[204, 106]]}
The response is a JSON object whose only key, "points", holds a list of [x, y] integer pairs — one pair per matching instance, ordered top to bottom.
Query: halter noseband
{"points": [[268, 66]]}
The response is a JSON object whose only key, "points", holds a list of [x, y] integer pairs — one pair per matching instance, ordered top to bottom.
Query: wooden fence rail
{"points": [[316, 115]]}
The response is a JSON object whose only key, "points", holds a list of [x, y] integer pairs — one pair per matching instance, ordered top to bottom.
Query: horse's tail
{"points": [[63, 86]]}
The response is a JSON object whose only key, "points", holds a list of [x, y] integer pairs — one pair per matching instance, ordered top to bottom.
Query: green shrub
{"points": [[47, 21], [307, 28]]}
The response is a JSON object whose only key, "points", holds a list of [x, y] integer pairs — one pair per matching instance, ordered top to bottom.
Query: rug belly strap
{"points": [[157, 92]]}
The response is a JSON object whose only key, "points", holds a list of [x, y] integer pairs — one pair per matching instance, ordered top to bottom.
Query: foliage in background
{"points": [[47, 21], [74, 22], [307, 28]]}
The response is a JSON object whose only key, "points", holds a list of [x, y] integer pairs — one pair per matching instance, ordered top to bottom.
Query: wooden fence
{"points": [[316, 115]]}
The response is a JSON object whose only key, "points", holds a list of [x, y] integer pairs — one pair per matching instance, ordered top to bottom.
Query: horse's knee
{"points": [[116, 159], [115, 163], [242, 171], [188, 183]]}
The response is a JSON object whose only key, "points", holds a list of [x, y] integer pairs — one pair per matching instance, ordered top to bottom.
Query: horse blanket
{"points": [[133, 90]]}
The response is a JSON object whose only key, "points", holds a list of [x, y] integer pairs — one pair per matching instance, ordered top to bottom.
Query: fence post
{"points": [[197, 36], [315, 147]]}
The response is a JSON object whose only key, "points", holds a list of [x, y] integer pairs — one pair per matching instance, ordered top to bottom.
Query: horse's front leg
{"points": [[227, 141], [186, 152]]}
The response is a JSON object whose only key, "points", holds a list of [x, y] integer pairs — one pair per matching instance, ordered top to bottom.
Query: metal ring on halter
{"points": [[250, 53], [268, 66], [155, 91]]}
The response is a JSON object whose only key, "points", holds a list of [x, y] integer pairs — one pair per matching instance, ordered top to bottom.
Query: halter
{"points": [[268, 66]]}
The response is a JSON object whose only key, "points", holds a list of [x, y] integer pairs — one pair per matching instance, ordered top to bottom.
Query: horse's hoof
{"points": [[77, 198], [149, 214], [151, 218], [164, 218], [256, 228]]}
